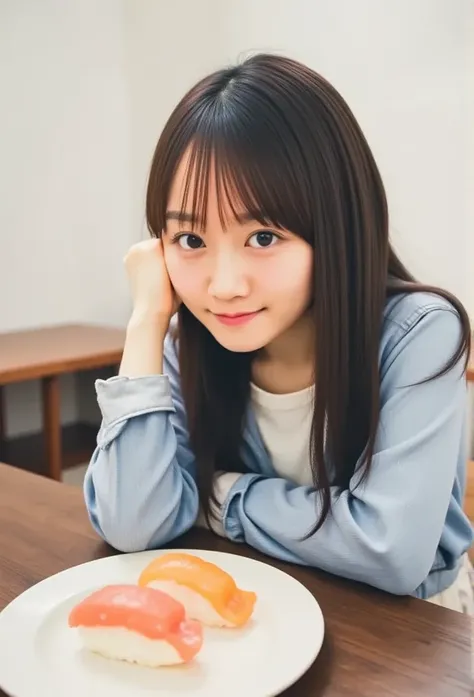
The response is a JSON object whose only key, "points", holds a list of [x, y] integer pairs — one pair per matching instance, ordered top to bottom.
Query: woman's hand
{"points": [[152, 293], [154, 303]]}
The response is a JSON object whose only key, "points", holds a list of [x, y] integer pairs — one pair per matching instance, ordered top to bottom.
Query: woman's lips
{"points": [[233, 320]]}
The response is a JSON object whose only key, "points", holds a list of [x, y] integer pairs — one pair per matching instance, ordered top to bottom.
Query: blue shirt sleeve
{"points": [[140, 488], [384, 532]]}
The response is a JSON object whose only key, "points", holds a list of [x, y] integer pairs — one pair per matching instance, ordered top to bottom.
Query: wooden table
{"points": [[46, 354], [376, 645]]}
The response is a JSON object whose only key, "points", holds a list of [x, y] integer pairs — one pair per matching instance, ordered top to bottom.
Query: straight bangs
{"points": [[247, 157]]}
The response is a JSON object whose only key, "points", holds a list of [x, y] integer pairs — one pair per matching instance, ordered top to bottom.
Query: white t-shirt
{"points": [[284, 421]]}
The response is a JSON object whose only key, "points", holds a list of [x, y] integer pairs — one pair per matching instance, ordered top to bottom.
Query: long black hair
{"points": [[286, 147]]}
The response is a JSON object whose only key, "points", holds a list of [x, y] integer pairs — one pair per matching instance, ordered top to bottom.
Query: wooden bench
{"points": [[45, 354]]}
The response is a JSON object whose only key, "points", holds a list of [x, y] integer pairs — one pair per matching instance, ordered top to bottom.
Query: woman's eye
{"points": [[263, 239], [190, 242]]}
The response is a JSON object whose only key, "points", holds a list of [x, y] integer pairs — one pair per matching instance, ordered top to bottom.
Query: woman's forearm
{"points": [[143, 350]]}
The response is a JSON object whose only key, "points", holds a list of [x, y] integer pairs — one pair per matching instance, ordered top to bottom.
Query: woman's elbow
{"points": [[133, 532], [123, 536], [131, 537], [124, 543], [401, 574]]}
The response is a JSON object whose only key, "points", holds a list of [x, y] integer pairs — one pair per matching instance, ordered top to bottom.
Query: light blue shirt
{"points": [[403, 530]]}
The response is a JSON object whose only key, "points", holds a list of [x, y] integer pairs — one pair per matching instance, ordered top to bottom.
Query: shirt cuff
{"points": [[121, 397], [223, 483], [232, 511]]}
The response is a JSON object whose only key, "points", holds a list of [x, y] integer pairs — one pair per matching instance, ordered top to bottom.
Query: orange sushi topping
{"points": [[205, 578]]}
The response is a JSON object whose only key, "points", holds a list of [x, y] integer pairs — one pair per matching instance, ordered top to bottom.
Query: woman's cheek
{"points": [[291, 271], [182, 276]]}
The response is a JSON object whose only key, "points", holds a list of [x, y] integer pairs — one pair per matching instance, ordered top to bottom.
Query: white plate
{"points": [[41, 657]]}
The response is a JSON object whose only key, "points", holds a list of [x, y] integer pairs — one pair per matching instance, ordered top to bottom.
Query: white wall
{"points": [[87, 87], [65, 162]]}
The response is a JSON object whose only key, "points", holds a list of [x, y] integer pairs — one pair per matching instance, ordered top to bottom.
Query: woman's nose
{"points": [[228, 280]]}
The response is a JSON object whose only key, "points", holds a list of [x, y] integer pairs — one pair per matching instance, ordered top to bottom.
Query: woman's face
{"points": [[246, 283]]}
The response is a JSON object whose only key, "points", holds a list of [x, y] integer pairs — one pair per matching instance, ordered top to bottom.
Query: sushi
{"points": [[208, 593], [136, 624]]}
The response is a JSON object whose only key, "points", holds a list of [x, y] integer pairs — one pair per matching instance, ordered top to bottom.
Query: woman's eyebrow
{"points": [[184, 217]]}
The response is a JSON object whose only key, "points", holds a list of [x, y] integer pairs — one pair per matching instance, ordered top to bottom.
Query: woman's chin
{"points": [[240, 340], [240, 346]]}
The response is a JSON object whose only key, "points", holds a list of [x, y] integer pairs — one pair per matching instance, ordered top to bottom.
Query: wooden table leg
{"points": [[52, 425]]}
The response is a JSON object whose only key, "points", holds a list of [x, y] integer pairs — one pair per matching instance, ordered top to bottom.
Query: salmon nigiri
{"points": [[208, 593], [138, 625]]}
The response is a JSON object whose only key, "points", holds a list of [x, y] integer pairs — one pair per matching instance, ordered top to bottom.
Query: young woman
{"points": [[310, 398]]}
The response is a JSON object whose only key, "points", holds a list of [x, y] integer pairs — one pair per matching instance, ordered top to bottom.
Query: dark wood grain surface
{"points": [[375, 645]]}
